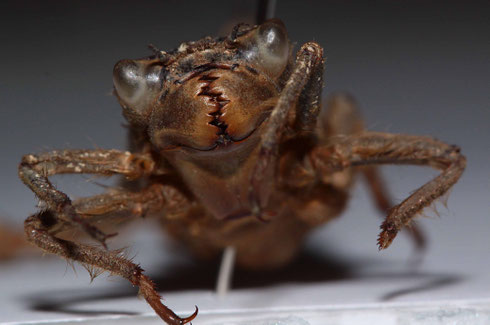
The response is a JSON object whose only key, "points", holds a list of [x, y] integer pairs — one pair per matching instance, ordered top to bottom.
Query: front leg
{"points": [[303, 91], [381, 148], [34, 171], [41, 228], [38, 229]]}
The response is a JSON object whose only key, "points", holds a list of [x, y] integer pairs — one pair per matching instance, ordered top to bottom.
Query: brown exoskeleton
{"points": [[229, 149]]}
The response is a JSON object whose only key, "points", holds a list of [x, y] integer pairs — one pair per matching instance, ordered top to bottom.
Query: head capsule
{"points": [[209, 93], [204, 106]]}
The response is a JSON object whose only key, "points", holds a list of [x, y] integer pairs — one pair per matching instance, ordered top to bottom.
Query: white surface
{"points": [[451, 286]]}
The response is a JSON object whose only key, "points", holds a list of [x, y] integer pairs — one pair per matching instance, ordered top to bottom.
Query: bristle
{"points": [[444, 199], [433, 208], [72, 265], [93, 271]]}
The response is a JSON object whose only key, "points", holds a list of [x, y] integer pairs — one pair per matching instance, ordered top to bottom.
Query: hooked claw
{"points": [[189, 318]]}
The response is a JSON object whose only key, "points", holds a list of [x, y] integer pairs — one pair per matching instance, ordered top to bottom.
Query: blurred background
{"points": [[416, 67]]}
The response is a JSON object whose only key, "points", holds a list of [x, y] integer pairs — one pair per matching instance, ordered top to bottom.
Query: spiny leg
{"points": [[308, 70], [309, 102], [342, 117], [381, 148], [34, 171], [156, 198], [384, 203], [61, 213], [42, 227], [38, 234]]}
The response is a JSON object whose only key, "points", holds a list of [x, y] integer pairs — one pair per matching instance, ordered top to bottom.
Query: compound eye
{"points": [[273, 40], [270, 47], [128, 80], [137, 83]]}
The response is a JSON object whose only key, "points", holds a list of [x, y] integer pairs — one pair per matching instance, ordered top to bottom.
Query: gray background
{"points": [[416, 67]]}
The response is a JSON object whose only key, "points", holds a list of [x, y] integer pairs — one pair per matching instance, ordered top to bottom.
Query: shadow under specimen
{"points": [[307, 268]]}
